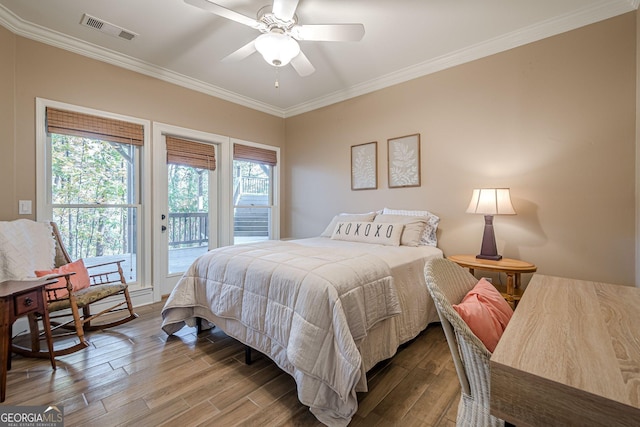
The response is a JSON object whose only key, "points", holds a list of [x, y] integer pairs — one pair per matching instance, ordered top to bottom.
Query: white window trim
{"points": [[144, 240]]}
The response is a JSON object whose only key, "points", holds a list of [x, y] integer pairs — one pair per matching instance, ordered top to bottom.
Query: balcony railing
{"points": [[249, 185], [188, 229]]}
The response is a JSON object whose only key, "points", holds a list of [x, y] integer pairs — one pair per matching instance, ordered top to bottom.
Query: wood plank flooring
{"points": [[136, 375]]}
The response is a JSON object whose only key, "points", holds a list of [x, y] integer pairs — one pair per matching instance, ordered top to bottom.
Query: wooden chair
{"points": [[448, 283], [72, 312]]}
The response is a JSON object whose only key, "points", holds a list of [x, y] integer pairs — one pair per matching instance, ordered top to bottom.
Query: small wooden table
{"points": [[513, 268], [17, 299], [569, 356]]}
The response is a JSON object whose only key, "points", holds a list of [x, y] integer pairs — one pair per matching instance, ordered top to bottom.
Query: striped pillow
{"points": [[428, 237]]}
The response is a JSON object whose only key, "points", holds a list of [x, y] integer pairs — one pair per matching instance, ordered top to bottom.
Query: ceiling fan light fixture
{"points": [[278, 49]]}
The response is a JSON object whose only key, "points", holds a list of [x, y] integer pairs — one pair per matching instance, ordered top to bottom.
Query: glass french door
{"points": [[185, 218]]}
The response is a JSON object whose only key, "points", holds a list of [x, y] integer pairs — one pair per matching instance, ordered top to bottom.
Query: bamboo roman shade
{"points": [[88, 126], [190, 153], [255, 154]]}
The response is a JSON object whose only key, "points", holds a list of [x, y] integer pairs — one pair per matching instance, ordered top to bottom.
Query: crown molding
{"points": [[521, 37], [56, 39], [499, 44]]}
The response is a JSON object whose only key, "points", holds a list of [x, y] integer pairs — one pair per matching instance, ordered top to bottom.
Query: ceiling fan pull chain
{"points": [[277, 85]]}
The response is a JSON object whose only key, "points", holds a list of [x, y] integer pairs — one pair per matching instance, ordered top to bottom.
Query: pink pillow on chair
{"points": [[80, 280], [486, 313]]}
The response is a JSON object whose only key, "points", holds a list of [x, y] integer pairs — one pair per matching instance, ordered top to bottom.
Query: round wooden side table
{"points": [[513, 268]]}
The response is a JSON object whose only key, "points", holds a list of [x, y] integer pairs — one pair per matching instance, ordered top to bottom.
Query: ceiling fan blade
{"points": [[285, 9], [224, 12], [329, 32], [241, 53], [302, 65]]}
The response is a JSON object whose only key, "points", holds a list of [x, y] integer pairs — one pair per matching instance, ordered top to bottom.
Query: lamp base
{"points": [[489, 249], [491, 257]]}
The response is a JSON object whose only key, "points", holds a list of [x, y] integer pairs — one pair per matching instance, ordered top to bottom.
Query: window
{"points": [[93, 186], [253, 193]]}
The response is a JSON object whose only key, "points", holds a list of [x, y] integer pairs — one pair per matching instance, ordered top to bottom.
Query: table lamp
{"points": [[490, 202]]}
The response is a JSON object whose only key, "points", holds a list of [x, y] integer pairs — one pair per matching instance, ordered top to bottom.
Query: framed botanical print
{"points": [[403, 158], [364, 166]]}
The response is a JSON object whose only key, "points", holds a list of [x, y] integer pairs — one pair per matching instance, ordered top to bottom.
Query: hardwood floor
{"points": [[136, 375]]}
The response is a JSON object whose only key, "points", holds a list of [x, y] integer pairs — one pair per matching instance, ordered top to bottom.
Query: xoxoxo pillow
{"points": [[413, 227], [328, 232], [387, 234]]}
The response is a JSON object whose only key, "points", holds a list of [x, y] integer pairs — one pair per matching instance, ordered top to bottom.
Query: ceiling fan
{"points": [[280, 29]]}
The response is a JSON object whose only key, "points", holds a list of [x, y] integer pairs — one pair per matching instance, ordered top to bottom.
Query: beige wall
{"points": [[30, 69], [553, 120], [7, 126], [637, 144]]}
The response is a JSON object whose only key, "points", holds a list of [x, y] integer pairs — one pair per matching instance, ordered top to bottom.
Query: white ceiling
{"points": [[404, 39]]}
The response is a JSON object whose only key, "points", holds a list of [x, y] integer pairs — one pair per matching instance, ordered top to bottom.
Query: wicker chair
{"points": [[109, 282], [448, 283]]}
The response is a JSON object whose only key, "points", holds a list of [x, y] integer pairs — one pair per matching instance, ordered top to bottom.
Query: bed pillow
{"points": [[413, 227], [328, 232], [387, 234], [428, 237], [80, 280], [486, 313]]}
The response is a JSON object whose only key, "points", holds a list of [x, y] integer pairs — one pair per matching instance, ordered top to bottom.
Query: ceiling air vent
{"points": [[106, 27]]}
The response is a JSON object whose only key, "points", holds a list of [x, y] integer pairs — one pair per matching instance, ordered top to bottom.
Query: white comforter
{"points": [[306, 306]]}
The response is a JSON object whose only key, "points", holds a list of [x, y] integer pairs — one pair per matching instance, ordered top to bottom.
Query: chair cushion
{"points": [[80, 280], [88, 295], [486, 313]]}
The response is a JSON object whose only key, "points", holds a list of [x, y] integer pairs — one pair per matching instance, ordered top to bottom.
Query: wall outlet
{"points": [[24, 207], [488, 279]]}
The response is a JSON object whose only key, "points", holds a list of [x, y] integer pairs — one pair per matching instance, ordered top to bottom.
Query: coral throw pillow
{"points": [[80, 280], [486, 312]]}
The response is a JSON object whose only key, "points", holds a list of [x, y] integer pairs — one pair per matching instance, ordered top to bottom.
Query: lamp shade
{"points": [[277, 49], [491, 201]]}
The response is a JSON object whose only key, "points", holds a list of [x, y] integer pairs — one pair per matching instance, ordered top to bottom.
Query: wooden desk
{"points": [[513, 268], [17, 299], [570, 356]]}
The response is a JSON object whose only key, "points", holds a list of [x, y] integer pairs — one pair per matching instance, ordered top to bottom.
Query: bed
{"points": [[325, 310]]}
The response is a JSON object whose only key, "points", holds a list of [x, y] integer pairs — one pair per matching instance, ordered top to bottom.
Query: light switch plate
{"points": [[24, 207]]}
